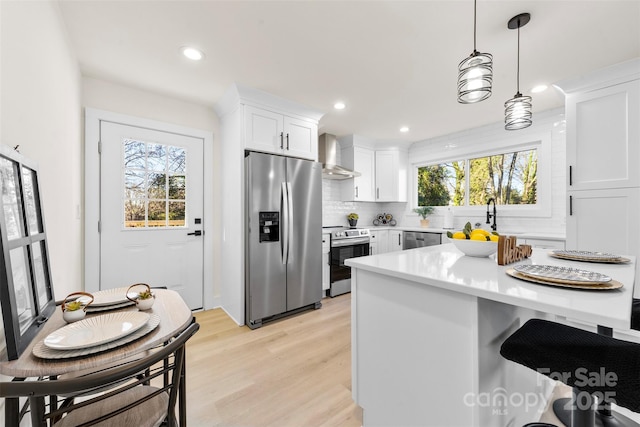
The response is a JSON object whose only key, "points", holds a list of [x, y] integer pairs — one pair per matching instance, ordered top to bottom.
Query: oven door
{"points": [[339, 254]]}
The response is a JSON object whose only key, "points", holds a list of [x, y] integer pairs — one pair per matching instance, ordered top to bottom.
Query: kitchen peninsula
{"points": [[427, 325]]}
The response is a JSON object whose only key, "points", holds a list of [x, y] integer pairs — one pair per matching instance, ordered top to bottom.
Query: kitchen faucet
{"points": [[494, 227]]}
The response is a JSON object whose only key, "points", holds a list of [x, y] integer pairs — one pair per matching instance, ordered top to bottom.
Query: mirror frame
{"points": [[21, 328]]}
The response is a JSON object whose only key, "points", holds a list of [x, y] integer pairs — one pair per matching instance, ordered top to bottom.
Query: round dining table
{"points": [[174, 316]]}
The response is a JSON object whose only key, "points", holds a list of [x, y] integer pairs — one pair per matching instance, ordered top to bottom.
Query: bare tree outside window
{"points": [[510, 178], [155, 185]]}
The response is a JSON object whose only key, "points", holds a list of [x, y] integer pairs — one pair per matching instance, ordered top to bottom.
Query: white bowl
{"points": [[476, 248]]}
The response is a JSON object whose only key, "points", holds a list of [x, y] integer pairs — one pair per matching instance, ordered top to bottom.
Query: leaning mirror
{"points": [[26, 293]]}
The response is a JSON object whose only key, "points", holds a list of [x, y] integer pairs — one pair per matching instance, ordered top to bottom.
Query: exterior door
{"points": [[151, 210]]}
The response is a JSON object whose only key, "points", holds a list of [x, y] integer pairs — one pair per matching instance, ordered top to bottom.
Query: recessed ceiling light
{"points": [[192, 53], [539, 88], [339, 106], [404, 129]]}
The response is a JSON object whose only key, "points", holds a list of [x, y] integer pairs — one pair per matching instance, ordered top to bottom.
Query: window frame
{"points": [[467, 150], [17, 341]]}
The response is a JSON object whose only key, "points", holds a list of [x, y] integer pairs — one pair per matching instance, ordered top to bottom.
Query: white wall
{"points": [[122, 99], [41, 112]]}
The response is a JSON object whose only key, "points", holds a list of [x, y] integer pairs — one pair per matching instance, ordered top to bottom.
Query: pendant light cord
{"points": [[474, 24], [518, 66]]}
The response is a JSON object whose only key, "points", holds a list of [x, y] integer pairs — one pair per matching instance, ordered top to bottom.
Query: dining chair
{"points": [[142, 392]]}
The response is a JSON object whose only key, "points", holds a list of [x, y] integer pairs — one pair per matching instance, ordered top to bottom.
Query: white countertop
{"points": [[445, 267]]}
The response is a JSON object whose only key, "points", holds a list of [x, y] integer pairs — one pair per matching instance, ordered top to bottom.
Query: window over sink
{"points": [[465, 175], [508, 178]]}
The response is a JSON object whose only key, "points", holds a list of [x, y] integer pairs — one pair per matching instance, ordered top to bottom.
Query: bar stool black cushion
{"points": [[635, 314], [559, 349]]}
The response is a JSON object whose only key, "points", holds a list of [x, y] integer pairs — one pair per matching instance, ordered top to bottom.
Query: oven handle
{"points": [[350, 242]]}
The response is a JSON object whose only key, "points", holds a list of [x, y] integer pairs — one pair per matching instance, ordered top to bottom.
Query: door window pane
{"points": [[153, 175], [11, 199], [177, 214]]}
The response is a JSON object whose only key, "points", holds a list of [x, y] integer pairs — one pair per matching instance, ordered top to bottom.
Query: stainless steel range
{"points": [[345, 243]]}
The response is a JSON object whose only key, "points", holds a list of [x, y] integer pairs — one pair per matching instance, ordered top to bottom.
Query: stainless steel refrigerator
{"points": [[283, 249]]}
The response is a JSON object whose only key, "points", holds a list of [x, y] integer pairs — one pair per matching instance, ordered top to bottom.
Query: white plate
{"points": [[586, 254], [561, 273], [110, 297], [92, 309], [96, 330], [43, 352]]}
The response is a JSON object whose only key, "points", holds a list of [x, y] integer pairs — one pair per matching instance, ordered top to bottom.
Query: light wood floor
{"points": [[294, 372]]}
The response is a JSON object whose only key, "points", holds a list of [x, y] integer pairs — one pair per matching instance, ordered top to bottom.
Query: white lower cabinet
{"points": [[383, 241], [395, 241], [326, 266]]}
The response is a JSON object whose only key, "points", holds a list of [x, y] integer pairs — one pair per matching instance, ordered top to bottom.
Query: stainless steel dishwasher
{"points": [[418, 239]]}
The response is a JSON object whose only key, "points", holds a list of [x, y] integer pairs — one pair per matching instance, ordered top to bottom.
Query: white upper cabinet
{"points": [[276, 133], [602, 137], [300, 138], [383, 171], [391, 176], [362, 188]]}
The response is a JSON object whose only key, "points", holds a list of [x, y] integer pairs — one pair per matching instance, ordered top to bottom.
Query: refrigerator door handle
{"points": [[284, 203], [289, 218]]}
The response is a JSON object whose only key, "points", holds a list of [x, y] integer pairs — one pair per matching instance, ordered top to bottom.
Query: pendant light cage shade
{"points": [[475, 77], [517, 112]]}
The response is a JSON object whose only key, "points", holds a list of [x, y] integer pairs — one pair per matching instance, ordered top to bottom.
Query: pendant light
{"points": [[475, 73], [517, 110]]}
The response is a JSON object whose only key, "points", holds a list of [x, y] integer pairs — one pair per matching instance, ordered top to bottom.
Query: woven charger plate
{"points": [[620, 260], [613, 284], [42, 351]]}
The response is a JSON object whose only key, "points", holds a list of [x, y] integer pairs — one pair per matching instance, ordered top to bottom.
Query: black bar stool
{"points": [[594, 365]]}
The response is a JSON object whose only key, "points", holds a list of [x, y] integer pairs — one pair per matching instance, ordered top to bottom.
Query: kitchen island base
{"points": [[427, 356]]}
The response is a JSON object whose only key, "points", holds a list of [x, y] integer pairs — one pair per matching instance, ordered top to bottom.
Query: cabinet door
{"points": [[263, 130], [603, 137], [300, 138], [364, 161], [386, 176], [604, 220], [395, 240], [383, 241]]}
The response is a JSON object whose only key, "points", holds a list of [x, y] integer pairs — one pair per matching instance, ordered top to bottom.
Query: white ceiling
{"points": [[393, 63]]}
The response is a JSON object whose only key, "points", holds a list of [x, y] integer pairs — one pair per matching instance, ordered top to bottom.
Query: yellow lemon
{"points": [[480, 231], [459, 235], [478, 236], [494, 238]]}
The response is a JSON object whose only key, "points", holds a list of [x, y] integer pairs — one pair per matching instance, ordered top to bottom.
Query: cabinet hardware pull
{"points": [[281, 140], [287, 141], [570, 175], [356, 191], [377, 193], [570, 205], [399, 239]]}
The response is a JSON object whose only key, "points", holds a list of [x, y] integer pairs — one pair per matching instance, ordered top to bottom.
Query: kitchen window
{"points": [[464, 174], [509, 178]]}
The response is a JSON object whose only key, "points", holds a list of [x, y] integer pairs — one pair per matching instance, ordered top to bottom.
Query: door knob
{"points": [[195, 233]]}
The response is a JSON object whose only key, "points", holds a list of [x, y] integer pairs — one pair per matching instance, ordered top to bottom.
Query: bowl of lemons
{"points": [[474, 242]]}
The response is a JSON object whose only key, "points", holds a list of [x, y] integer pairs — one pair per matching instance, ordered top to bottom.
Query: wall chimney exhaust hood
{"points": [[327, 155]]}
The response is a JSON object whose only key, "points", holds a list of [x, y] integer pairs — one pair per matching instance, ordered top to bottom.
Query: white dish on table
{"points": [[555, 272], [96, 330]]}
